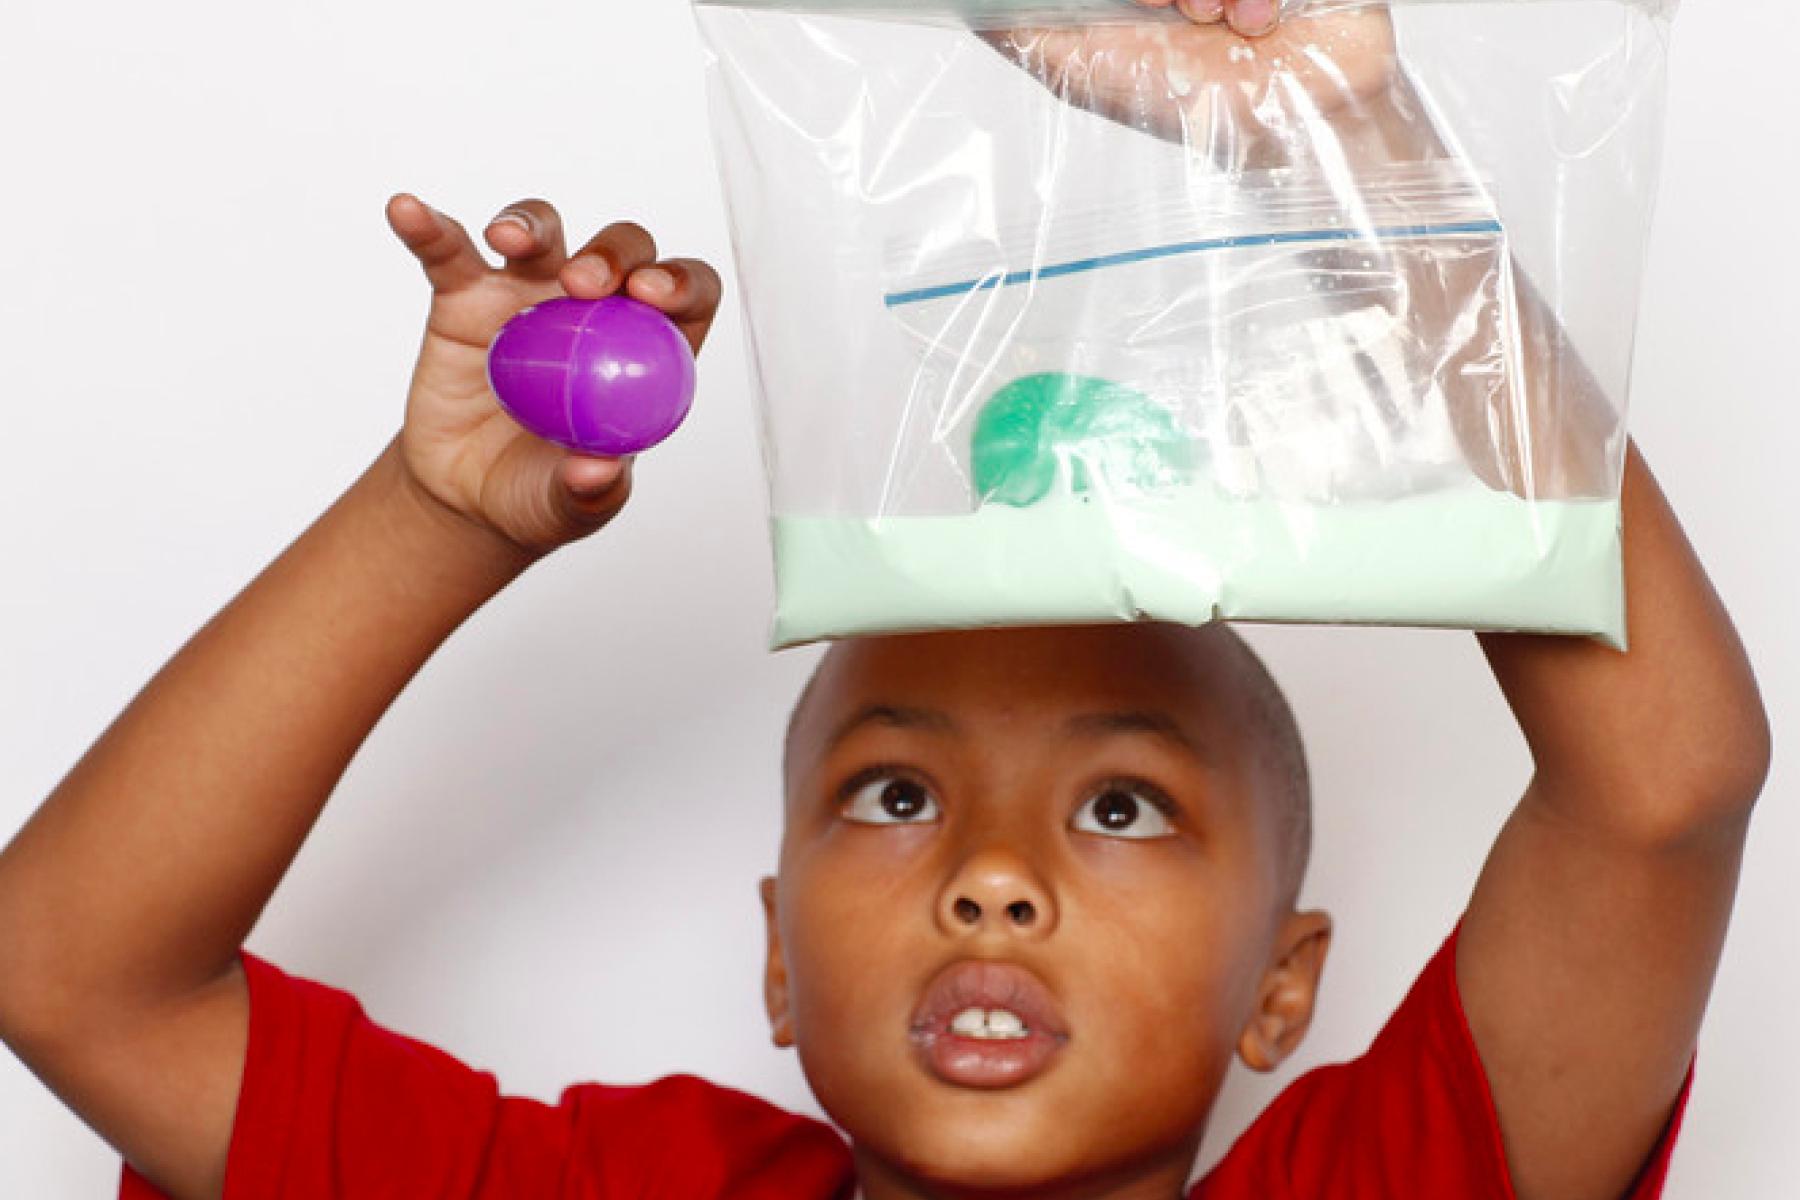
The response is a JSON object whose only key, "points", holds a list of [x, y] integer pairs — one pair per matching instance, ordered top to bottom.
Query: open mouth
{"points": [[987, 1025]]}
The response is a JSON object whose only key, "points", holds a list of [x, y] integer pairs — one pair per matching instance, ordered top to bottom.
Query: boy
{"points": [[1036, 886]]}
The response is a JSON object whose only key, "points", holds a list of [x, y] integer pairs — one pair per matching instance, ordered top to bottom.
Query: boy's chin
{"points": [[998, 1140], [947, 1162], [1024, 1167]]}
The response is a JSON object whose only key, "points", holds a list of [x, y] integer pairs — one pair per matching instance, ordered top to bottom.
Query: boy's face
{"points": [[1073, 825]]}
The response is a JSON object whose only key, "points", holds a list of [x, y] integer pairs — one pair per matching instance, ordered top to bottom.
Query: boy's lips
{"points": [[982, 1062]]}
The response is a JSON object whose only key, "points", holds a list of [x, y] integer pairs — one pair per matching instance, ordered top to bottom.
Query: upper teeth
{"points": [[988, 1023]]}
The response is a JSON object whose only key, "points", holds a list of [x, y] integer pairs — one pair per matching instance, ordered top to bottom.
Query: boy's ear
{"points": [[775, 981], [1284, 1003]]}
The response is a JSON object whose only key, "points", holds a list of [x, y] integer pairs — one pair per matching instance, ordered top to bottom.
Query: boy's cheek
{"points": [[850, 958]]}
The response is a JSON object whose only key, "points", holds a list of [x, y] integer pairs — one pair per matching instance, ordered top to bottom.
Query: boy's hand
{"points": [[1233, 79], [464, 453]]}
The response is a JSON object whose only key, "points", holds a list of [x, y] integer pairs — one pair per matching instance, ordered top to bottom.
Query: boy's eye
{"points": [[889, 800], [1131, 810]]}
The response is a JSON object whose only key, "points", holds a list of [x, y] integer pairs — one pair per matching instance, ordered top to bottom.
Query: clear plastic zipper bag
{"points": [[1077, 312]]}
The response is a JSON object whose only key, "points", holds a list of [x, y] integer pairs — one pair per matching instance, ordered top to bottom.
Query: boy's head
{"points": [[1100, 830]]}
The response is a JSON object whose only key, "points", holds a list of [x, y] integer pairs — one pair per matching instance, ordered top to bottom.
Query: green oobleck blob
{"points": [[1111, 438]]}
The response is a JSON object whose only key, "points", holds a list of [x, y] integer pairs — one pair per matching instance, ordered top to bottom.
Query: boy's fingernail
{"points": [[1256, 16], [513, 217], [595, 271], [655, 282]]}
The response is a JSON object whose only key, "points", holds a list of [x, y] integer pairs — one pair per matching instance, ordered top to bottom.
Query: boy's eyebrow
{"points": [[896, 716], [1149, 721]]}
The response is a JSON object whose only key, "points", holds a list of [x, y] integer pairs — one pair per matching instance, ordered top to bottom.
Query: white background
{"points": [[544, 859]]}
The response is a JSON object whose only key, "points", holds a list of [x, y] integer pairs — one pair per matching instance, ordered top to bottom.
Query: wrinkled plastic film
{"points": [[1013, 14], [1109, 322], [1313, 361]]}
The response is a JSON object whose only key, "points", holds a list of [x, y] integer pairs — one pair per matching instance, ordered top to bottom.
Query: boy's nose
{"points": [[996, 889]]}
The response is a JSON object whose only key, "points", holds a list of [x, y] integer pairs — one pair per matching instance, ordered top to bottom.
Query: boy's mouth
{"points": [[987, 1025]]}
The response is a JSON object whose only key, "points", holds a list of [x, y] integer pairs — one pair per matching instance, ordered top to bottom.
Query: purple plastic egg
{"points": [[611, 376]]}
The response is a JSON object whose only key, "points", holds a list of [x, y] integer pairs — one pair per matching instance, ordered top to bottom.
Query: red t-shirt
{"points": [[334, 1105]]}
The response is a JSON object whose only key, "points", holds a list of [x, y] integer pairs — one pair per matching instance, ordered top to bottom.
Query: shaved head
{"points": [[1215, 684], [1277, 737]]}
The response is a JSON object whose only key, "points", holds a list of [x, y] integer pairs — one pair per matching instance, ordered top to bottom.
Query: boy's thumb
{"points": [[590, 478], [593, 489]]}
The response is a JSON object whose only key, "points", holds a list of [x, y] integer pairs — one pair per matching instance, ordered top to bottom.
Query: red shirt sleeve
{"points": [[334, 1105], [1412, 1117]]}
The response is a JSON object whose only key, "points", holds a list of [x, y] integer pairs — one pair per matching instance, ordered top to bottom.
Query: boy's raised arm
{"points": [[125, 899], [1590, 944]]}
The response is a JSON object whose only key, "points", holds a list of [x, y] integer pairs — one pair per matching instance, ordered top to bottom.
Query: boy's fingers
{"points": [[1202, 12], [1253, 18], [529, 234], [440, 243], [606, 261], [687, 290]]}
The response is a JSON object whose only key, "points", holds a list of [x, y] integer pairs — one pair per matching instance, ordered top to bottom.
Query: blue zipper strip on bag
{"points": [[1176, 249]]}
